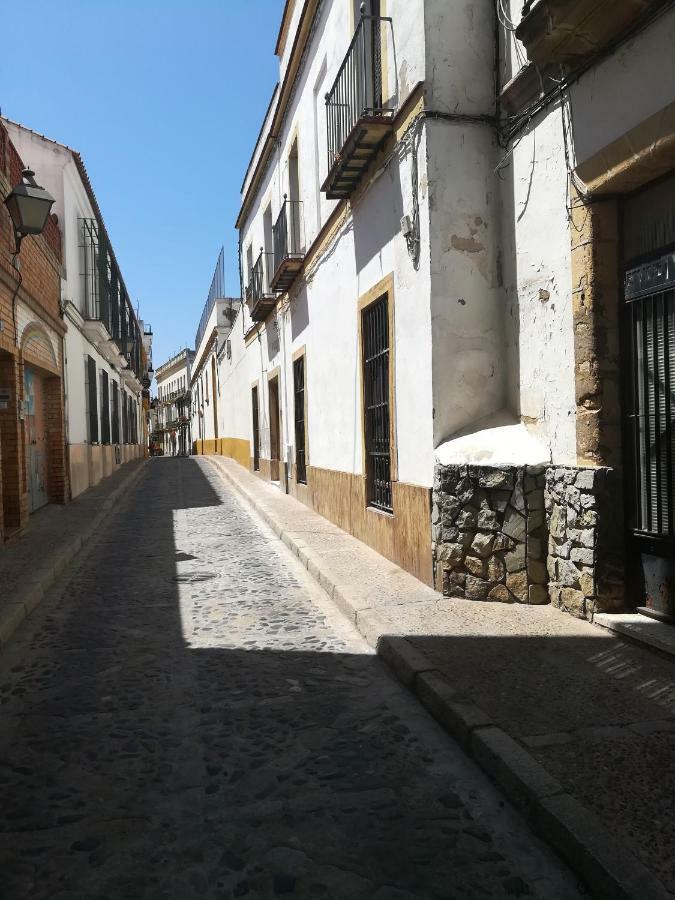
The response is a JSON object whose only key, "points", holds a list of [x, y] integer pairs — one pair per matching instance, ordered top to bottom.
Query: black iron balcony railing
{"points": [[357, 120], [289, 245], [95, 273], [261, 276], [216, 292], [104, 294], [261, 300]]}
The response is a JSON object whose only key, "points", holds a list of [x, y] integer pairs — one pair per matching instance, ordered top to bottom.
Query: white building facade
{"points": [[441, 246], [213, 332], [104, 355], [172, 405]]}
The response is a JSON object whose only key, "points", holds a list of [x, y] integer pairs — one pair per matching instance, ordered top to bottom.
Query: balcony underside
{"points": [[566, 31], [361, 146], [286, 273], [261, 308], [95, 331]]}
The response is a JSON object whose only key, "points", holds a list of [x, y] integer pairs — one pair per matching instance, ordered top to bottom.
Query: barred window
{"points": [[375, 336], [299, 397]]}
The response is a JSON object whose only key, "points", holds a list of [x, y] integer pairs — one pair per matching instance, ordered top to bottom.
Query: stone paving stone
{"points": [[596, 712], [186, 715]]}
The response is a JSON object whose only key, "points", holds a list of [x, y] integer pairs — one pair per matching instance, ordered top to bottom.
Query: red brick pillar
{"points": [[57, 476], [14, 498]]}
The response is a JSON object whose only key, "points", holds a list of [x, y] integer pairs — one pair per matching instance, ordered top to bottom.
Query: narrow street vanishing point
{"points": [[195, 719]]}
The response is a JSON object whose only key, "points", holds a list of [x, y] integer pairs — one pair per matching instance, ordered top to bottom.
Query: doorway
{"points": [[649, 396], [256, 428], [275, 428], [36, 439]]}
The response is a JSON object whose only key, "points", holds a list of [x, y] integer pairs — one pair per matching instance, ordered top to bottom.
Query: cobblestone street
{"points": [[188, 716]]}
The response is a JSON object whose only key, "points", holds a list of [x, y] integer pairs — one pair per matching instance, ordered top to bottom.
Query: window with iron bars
{"points": [[652, 327], [375, 337], [299, 397], [105, 409], [115, 413]]}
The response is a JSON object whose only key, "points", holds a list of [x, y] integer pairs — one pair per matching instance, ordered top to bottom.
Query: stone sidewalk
{"points": [[31, 562], [576, 725]]}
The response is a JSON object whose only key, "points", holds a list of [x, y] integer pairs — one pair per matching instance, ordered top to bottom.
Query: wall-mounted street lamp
{"points": [[29, 206]]}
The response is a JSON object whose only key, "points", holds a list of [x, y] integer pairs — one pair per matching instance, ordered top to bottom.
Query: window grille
{"points": [[650, 300], [375, 331], [299, 396], [92, 397], [105, 409], [115, 413], [125, 419]]}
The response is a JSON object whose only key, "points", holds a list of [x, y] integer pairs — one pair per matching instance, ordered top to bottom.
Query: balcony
{"points": [[559, 32], [357, 121], [289, 245], [259, 296]]}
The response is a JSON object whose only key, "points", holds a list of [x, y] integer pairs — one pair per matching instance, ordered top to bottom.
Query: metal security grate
{"points": [[652, 328], [299, 396], [92, 399], [376, 402], [105, 408], [115, 413]]}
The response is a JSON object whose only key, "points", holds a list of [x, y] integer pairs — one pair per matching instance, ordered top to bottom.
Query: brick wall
{"points": [[37, 311]]}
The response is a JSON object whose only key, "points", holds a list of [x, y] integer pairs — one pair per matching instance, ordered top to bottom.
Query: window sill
{"points": [[375, 510]]}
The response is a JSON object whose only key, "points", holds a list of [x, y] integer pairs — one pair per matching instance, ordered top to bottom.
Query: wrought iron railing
{"points": [[357, 89], [288, 236], [94, 272], [260, 276], [216, 292], [104, 295]]}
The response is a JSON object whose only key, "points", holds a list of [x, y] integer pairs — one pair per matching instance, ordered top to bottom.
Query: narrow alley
{"points": [[195, 719]]}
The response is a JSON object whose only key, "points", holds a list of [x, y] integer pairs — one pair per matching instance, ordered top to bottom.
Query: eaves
{"points": [[284, 97]]}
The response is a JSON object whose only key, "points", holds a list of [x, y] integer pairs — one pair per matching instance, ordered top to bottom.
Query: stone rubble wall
{"points": [[584, 517], [489, 533], [529, 534]]}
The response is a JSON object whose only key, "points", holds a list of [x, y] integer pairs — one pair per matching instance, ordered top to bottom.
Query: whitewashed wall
{"points": [[322, 314]]}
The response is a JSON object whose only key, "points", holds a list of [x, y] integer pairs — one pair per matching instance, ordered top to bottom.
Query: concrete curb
{"points": [[39, 581], [606, 865]]}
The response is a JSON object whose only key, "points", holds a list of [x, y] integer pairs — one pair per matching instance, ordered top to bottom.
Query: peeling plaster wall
{"points": [[460, 51], [611, 98], [536, 265], [466, 293]]}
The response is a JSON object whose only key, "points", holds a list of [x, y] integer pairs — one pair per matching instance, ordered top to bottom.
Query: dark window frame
{"points": [[376, 355], [92, 394], [105, 408], [299, 412], [255, 415]]}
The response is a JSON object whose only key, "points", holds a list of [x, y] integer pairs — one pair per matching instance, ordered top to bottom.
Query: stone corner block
{"points": [[11, 616], [403, 658], [458, 717], [514, 769], [605, 863]]}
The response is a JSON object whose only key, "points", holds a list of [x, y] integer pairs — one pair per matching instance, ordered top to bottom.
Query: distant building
{"points": [[214, 328], [172, 405]]}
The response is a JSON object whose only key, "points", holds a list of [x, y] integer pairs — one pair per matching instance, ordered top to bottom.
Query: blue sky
{"points": [[164, 100]]}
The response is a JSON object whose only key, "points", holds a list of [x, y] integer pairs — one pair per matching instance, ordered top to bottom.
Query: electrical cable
{"points": [[522, 121], [16, 294]]}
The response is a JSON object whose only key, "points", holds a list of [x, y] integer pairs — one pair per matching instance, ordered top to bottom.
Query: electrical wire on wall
{"points": [[413, 238], [19, 282]]}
